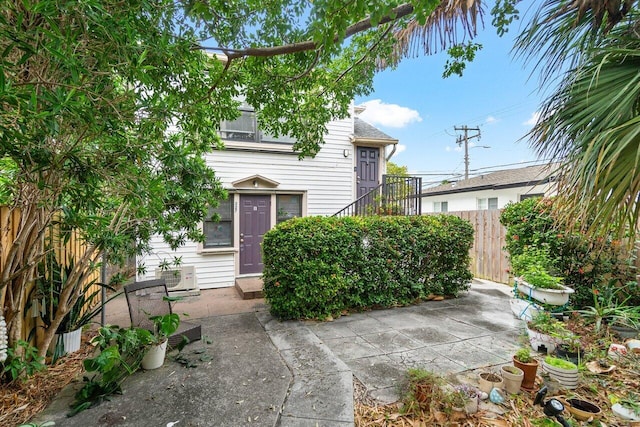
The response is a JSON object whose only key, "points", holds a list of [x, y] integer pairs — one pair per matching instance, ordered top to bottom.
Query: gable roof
{"points": [[363, 131], [508, 178]]}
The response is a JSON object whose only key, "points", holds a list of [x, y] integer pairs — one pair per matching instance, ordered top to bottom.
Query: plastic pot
{"points": [[512, 377]]}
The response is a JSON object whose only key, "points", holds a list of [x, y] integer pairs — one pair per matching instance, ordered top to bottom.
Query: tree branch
{"points": [[363, 25]]}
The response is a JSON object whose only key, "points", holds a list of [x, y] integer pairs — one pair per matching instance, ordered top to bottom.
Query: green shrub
{"points": [[584, 264], [317, 267]]}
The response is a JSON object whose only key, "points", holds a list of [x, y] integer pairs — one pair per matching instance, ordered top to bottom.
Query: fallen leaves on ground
{"points": [[20, 401]]}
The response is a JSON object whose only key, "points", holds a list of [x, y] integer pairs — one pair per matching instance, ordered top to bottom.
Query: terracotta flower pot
{"points": [[530, 369], [582, 410]]}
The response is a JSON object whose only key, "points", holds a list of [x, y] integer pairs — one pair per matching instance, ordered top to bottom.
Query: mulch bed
{"points": [[20, 401], [518, 411]]}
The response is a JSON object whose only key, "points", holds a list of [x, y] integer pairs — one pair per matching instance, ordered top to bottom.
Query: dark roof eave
{"points": [[487, 187]]}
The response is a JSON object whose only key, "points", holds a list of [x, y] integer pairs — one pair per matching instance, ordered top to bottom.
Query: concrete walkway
{"points": [[255, 370]]}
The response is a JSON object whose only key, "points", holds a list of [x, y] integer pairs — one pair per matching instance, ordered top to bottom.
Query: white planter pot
{"points": [[547, 296], [523, 309], [538, 340], [71, 341], [154, 358], [513, 377], [568, 378], [624, 412]]}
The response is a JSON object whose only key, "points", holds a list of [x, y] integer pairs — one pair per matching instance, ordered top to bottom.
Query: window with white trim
{"points": [[245, 129], [490, 203], [288, 206], [441, 206], [219, 234]]}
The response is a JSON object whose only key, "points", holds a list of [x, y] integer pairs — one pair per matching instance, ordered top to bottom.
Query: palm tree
{"points": [[591, 122]]}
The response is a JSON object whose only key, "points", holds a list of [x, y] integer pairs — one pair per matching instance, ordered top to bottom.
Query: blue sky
{"points": [[414, 104]]}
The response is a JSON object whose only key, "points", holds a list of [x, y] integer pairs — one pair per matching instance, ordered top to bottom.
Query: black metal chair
{"points": [[146, 299]]}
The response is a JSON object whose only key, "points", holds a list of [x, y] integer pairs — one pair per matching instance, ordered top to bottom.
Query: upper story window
{"points": [[245, 129], [490, 203], [441, 206]]}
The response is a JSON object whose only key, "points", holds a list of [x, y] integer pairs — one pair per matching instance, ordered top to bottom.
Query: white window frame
{"points": [[254, 135], [485, 203], [438, 206], [226, 217]]}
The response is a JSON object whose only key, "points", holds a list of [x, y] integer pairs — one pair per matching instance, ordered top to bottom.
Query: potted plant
{"points": [[534, 280], [50, 283], [163, 327], [544, 331], [570, 347], [529, 366], [563, 371], [513, 377], [489, 380], [465, 398]]}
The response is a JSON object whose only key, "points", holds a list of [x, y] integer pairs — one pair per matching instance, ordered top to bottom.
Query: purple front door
{"points": [[367, 169], [254, 222]]}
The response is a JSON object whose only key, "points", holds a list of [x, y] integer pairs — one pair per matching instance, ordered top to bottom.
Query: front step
{"points": [[250, 287]]}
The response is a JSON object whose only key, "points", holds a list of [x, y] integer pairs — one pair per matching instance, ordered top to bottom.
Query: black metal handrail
{"points": [[397, 195]]}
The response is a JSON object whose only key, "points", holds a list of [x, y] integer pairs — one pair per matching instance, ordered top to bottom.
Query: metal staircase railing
{"points": [[397, 195]]}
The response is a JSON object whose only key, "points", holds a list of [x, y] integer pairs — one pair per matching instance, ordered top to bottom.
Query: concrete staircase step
{"points": [[250, 287]]}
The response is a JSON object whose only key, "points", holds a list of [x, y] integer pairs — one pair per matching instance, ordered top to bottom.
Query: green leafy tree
{"points": [[108, 107], [590, 122], [394, 169]]}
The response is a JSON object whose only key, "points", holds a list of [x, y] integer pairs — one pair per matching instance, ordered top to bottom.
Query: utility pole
{"points": [[465, 139]]}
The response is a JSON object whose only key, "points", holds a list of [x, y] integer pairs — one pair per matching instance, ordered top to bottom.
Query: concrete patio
{"points": [[261, 371]]}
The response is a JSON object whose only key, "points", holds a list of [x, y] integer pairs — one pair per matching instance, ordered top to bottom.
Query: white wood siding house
{"points": [[267, 183], [490, 191]]}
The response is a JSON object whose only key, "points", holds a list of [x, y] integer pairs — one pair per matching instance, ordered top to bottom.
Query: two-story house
{"points": [[267, 184]]}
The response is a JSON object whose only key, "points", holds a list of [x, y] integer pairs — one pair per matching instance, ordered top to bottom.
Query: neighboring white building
{"points": [[267, 184], [490, 191]]}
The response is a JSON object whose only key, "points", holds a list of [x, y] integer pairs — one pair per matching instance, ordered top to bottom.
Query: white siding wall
{"points": [[326, 180], [468, 201]]}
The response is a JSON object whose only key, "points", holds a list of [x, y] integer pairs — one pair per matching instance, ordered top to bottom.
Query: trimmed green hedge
{"points": [[315, 267]]}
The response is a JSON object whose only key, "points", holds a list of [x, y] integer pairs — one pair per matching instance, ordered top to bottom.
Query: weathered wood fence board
{"points": [[67, 252], [488, 259]]}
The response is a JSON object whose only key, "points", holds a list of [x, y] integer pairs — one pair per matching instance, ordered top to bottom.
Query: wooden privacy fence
{"points": [[65, 253], [488, 259]]}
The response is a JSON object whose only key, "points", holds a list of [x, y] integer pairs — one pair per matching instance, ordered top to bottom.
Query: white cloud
{"points": [[390, 115], [533, 119], [490, 120], [447, 148], [399, 149]]}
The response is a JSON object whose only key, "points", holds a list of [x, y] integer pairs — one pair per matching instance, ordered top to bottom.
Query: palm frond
{"points": [[451, 22], [561, 32], [592, 125]]}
